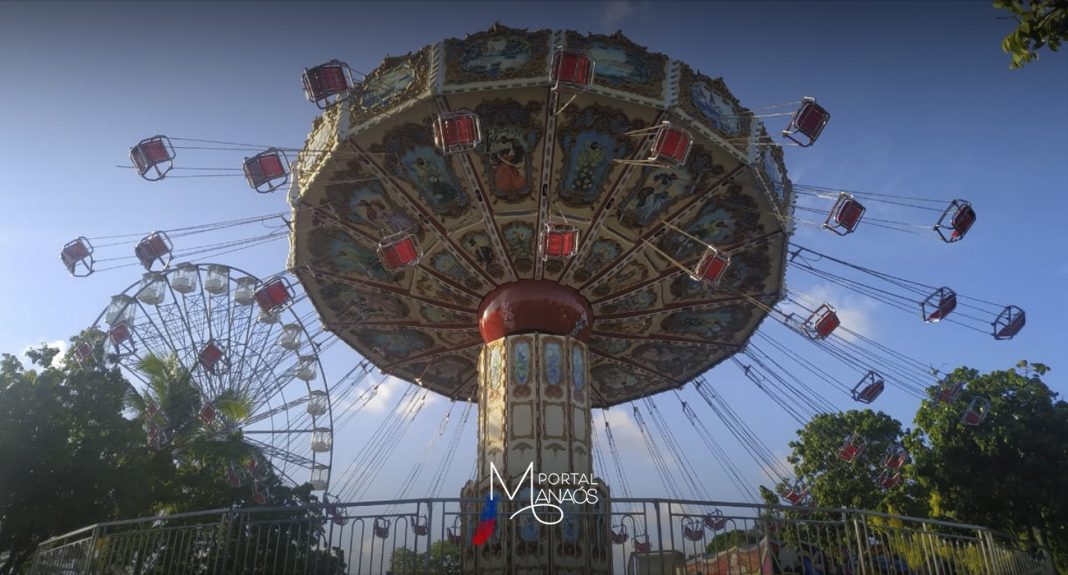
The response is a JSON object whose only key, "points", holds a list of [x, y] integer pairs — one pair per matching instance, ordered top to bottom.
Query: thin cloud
{"points": [[615, 13], [855, 311], [57, 362]]}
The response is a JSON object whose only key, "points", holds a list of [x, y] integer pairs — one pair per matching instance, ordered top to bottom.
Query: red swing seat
{"points": [[572, 69], [327, 83], [808, 123], [457, 132], [671, 146], [153, 157], [267, 171], [845, 215], [956, 220], [559, 241], [153, 248], [399, 251], [77, 256], [711, 266], [938, 305], [822, 322], [1009, 322], [869, 388], [976, 411], [851, 448], [896, 457], [715, 520], [381, 527], [693, 529]]}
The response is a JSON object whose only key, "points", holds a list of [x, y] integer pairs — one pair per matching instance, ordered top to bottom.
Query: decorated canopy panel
{"points": [[371, 171]]}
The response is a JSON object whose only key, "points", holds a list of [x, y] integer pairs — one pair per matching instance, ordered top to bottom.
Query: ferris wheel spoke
{"points": [[274, 411], [277, 453]]}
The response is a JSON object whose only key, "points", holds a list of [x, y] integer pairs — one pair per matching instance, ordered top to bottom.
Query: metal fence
{"points": [[432, 536]]}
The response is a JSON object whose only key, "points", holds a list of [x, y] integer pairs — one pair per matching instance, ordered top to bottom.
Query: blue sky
{"points": [[922, 104]]}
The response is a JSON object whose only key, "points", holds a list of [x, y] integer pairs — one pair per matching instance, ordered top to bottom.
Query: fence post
{"points": [[861, 544], [90, 551], [985, 551]]}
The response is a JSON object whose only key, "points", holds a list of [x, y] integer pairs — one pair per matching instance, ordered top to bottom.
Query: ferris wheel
{"points": [[253, 367]]}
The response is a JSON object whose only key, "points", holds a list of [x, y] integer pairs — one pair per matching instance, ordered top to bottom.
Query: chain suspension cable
{"points": [[917, 287], [807, 365], [752, 444], [362, 455], [449, 455], [380, 459], [617, 459], [659, 463], [417, 470], [732, 471], [690, 475]]}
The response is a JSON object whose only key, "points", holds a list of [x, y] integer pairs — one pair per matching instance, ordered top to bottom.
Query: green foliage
{"points": [[1039, 24], [69, 456], [1010, 472], [837, 483], [728, 539], [442, 559]]}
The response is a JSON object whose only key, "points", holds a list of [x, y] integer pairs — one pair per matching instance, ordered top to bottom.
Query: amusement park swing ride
{"points": [[536, 224]]}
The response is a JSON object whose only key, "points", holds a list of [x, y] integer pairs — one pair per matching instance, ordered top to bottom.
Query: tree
{"points": [[1039, 23], [170, 407], [69, 456], [1009, 472], [834, 482], [728, 539], [442, 559]]}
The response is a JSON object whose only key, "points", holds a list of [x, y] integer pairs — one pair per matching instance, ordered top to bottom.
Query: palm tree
{"points": [[199, 432]]}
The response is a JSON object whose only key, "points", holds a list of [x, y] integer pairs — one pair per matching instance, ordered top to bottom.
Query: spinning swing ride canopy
{"points": [[371, 173]]}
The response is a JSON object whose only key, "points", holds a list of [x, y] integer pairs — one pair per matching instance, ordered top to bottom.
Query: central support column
{"points": [[534, 407]]}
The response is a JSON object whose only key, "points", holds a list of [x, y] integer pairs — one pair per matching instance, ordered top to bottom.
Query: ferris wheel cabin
{"points": [[274, 296], [212, 358]]}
